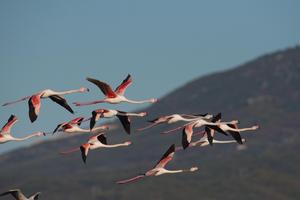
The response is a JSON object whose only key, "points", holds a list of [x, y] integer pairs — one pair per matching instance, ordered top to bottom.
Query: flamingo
{"points": [[114, 97], [34, 101], [108, 113], [170, 119], [201, 122], [73, 127], [232, 129], [187, 132], [5, 135], [95, 142], [202, 142], [159, 168], [18, 195]]}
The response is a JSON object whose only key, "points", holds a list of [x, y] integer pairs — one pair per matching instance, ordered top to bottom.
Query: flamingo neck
{"points": [[68, 92], [139, 101], [26, 137], [224, 142]]}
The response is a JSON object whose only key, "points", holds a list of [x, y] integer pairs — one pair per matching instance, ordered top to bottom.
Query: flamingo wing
{"points": [[104, 87], [120, 90], [61, 101], [34, 104], [125, 120], [77, 121], [9, 124], [57, 127], [187, 134], [235, 134], [210, 135], [102, 139], [84, 151], [167, 157], [131, 179], [16, 193]]}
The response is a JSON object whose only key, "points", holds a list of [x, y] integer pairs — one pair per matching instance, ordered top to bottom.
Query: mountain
{"points": [[265, 91]]}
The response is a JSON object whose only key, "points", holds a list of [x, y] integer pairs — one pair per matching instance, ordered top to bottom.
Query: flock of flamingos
{"points": [[212, 124]]}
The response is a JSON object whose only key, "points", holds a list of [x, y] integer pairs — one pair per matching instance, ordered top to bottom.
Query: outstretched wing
{"points": [[124, 85], [104, 87], [61, 101], [34, 104], [125, 120], [77, 121], [9, 124], [57, 127], [210, 132], [187, 134], [235, 134], [102, 139], [84, 151], [167, 157], [15, 193]]}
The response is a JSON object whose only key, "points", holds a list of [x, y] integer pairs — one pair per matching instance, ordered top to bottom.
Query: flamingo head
{"points": [[84, 89], [153, 100], [128, 143], [192, 169]]}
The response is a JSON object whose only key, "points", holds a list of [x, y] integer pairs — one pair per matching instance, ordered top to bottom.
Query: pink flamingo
{"points": [[114, 97], [34, 101], [108, 113], [170, 119], [73, 127], [5, 135], [95, 142], [159, 168]]}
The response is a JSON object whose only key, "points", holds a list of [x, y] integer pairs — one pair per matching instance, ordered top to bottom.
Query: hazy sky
{"points": [[163, 44]]}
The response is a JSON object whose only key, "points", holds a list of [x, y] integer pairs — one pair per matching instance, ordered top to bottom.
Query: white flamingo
{"points": [[170, 119], [95, 142], [159, 168]]}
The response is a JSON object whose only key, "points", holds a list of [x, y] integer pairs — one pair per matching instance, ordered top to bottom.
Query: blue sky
{"points": [[163, 44]]}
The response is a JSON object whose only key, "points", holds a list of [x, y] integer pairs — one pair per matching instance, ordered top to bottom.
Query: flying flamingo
{"points": [[114, 97], [34, 101], [108, 113], [170, 119], [76, 121], [201, 122], [73, 127], [232, 129], [187, 132], [5, 135], [203, 141], [95, 142], [159, 168], [18, 195]]}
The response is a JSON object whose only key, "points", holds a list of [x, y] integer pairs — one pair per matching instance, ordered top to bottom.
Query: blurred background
{"points": [[236, 57]]}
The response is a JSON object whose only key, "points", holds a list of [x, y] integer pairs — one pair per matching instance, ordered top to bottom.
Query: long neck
{"points": [[68, 92], [138, 102], [141, 114], [243, 129], [26, 137], [224, 141], [116, 145], [174, 171]]}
